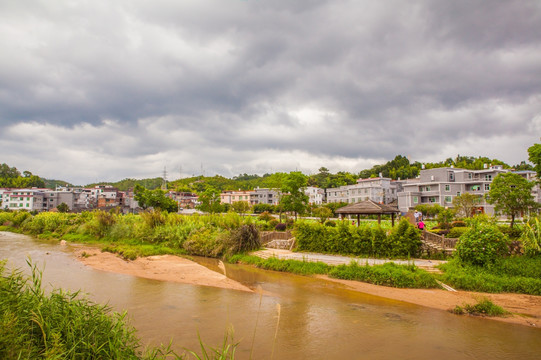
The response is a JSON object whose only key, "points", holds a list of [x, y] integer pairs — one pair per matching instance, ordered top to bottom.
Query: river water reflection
{"points": [[318, 319]]}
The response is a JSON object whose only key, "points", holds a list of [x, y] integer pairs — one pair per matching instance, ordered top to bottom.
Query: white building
{"points": [[380, 190], [315, 195]]}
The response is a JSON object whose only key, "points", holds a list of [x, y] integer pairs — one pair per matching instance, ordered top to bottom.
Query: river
{"points": [[318, 319]]}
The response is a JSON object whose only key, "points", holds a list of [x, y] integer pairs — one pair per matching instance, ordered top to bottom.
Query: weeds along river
{"points": [[317, 320]]}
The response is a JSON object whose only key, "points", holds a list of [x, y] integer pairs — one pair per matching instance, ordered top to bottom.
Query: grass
{"points": [[390, 274], [511, 275], [484, 307], [63, 325]]}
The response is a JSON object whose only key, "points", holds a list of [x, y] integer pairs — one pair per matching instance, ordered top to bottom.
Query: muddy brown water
{"points": [[318, 319]]}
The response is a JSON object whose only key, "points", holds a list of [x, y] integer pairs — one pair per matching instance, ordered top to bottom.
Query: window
{"points": [[451, 176], [470, 176], [488, 177], [447, 187], [476, 187], [487, 187], [458, 193], [432, 199], [448, 199], [415, 200]]}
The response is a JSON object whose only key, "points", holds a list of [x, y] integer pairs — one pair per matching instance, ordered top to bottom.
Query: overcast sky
{"points": [[103, 90]]}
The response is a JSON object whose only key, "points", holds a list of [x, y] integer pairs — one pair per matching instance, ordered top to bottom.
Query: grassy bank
{"points": [[150, 233], [390, 274], [520, 275], [62, 325]]}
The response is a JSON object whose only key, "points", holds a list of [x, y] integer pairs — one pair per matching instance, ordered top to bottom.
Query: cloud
{"points": [[249, 86]]}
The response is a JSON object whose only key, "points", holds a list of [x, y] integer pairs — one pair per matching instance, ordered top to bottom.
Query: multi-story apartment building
{"points": [[442, 185], [380, 190], [315, 195], [230, 196], [266, 196], [23, 199]]}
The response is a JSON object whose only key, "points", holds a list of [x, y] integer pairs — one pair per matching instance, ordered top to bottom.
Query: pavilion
{"points": [[368, 207]]}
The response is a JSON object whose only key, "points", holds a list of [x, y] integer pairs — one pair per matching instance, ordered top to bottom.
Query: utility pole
{"points": [[164, 179]]}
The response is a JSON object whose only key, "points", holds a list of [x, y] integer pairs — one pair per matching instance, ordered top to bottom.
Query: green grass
{"points": [[290, 266], [390, 274], [512, 275], [484, 307], [65, 325]]}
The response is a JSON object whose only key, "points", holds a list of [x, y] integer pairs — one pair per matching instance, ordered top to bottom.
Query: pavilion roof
{"points": [[367, 207]]}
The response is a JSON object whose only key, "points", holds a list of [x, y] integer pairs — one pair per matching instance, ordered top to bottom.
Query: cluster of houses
{"points": [[432, 186]]}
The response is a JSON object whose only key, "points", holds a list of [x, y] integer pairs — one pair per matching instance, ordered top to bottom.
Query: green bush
{"points": [[458, 223], [457, 232], [531, 237], [206, 242], [483, 244]]}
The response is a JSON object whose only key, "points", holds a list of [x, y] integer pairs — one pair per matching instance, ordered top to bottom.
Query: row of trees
{"points": [[10, 177]]}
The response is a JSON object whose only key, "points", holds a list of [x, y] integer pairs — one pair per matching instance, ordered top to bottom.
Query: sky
{"points": [[99, 90]]}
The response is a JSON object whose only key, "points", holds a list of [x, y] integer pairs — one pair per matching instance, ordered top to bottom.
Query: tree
{"points": [[534, 153], [511, 195], [294, 198], [155, 199], [210, 200], [465, 204], [241, 207], [63, 208], [323, 213]]}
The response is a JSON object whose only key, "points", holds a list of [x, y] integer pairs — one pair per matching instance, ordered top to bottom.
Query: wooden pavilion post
{"points": [[379, 218], [358, 219], [392, 219]]}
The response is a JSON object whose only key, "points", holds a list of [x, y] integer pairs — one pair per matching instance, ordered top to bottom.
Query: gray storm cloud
{"points": [[244, 86]]}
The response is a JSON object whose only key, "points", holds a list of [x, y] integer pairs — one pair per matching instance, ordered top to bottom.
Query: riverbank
{"points": [[160, 267], [526, 309]]}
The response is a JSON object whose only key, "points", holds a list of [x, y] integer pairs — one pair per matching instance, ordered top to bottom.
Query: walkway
{"points": [[341, 260]]}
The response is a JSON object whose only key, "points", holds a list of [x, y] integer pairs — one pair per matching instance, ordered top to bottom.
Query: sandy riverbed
{"points": [[162, 267], [526, 309]]}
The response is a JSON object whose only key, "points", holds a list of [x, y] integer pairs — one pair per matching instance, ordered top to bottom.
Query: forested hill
{"points": [[10, 177]]}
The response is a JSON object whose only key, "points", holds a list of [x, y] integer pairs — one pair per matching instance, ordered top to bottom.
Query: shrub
{"points": [[265, 216], [153, 218], [273, 222], [331, 223], [458, 223], [280, 227], [457, 232], [514, 232], [531, 237], [244, 239], [206, 242], [482, 245], [485, 307]]}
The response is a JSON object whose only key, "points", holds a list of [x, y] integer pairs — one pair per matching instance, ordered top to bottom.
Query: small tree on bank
{"points": [[512, 195], [465, 204]]}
